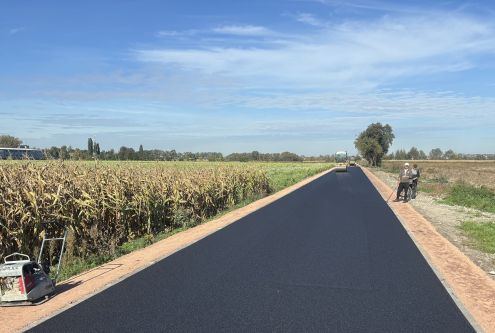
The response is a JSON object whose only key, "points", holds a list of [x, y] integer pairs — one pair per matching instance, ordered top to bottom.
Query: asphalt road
{"points": [[329, 257]]}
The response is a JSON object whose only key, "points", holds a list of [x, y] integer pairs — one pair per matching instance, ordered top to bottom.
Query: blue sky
{"points": [[269, 75]]}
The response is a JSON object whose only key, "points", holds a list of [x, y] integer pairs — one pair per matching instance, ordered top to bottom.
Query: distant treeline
{"points": [[127, 153], [435, 154], [257, 156]]}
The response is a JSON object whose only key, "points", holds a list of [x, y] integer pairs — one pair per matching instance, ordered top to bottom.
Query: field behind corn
{"points": [[437, 175], [109, 204]]}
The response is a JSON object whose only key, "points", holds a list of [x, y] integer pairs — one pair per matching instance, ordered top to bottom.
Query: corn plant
{"points": [[106, 205]]}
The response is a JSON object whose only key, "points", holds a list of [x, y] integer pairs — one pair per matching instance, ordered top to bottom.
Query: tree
{"points": [[9, 141], [374, 142], [90, 147], [97, 149], [370, 149], [53, 152], [126, 153], [64, 154], [77, 154], [400, 154], [413, 154], [435, 154], [255, 155], [422, 155], [450, 155], [390, 156]]}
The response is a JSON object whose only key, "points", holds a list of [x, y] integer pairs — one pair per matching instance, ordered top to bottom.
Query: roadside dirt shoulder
{"points": [[87, 284], [470, 285]]}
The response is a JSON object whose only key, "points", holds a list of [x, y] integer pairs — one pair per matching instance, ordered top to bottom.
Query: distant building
{"points": [[21, 154]]}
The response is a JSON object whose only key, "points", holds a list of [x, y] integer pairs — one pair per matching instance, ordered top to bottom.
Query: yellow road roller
{"points": [[342, 161]]}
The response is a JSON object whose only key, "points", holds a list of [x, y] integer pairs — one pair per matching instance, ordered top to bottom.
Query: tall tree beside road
{"points": [[9, 141], [373, 143], [90, 147]]}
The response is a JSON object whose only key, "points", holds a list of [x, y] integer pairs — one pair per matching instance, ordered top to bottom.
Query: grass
{"points": [[286, 174], [281, 175], [439, 180], [425, 189], [480, 198], [481, 234], [75, 266]]}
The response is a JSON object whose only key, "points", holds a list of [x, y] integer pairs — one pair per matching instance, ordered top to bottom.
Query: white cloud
{"points": [[310, 19], [234, 30], [243, 30], [168, 33], [359, 54]]}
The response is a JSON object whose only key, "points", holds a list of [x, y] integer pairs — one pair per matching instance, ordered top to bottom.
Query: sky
{"points": [[305, 76]]}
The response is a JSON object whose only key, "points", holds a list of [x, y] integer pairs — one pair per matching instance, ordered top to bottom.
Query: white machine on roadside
{"points": [[27, 282]]}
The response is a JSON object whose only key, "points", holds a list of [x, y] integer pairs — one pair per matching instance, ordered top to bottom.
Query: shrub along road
{"points": [[330, 256]]}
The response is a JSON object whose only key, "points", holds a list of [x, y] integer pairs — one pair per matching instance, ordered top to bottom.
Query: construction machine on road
{"points": [[341, 160]]}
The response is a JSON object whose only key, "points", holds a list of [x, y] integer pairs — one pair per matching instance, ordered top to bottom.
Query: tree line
{"points": [[374, 142], [93, 151], [128, 153], [435, 154]]}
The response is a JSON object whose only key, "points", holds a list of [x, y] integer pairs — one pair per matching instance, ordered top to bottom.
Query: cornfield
{"points": [[106, 205]]}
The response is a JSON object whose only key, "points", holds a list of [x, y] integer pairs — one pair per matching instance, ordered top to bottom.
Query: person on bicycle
{"points": [[415, 175], [405, 180]]}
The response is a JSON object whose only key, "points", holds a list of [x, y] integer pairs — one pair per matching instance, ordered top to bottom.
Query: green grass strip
{"points": [[480, 198], [482, 235]]}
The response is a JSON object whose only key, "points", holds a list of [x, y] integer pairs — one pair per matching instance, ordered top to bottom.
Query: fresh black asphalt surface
{"points": [[329, 257]]}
